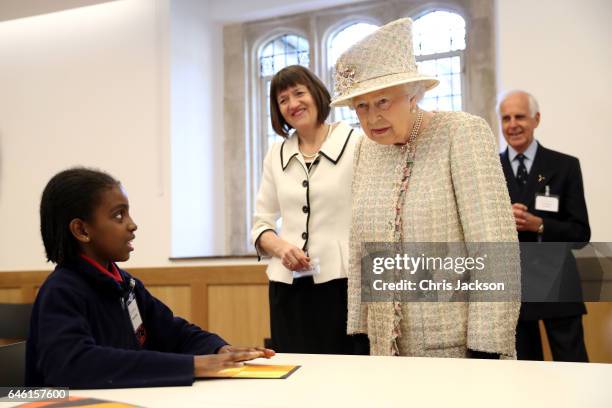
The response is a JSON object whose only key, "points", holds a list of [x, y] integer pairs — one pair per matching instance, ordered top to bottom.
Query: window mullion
{"points": [[448, 54]]}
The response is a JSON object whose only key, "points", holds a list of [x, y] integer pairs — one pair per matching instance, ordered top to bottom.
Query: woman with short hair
{"points": [[306, 182]]}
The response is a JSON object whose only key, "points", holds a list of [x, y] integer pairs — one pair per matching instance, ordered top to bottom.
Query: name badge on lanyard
{"points": [[547, 202], [132, 306]]}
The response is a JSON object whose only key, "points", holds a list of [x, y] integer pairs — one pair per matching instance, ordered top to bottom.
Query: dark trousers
{"points": [[311, 318], [565, 336]]}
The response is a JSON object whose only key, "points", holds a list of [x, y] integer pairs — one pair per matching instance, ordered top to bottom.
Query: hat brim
{"points": [[387, 81]]}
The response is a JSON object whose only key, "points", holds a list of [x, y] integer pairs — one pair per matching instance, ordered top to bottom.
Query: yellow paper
{"points": [[259, 371], [81, 402]]}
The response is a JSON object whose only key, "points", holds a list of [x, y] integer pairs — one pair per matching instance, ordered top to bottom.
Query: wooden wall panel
{"points": [[11, 295], [177, 298], [233, 301], [239, 313], [597, 325], [598, 331]]}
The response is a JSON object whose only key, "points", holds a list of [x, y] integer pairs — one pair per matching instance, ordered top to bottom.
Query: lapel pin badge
{"points": [[541, 178]]}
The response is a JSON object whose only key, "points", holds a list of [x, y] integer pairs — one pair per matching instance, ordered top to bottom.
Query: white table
{"points": [[365, 381]]}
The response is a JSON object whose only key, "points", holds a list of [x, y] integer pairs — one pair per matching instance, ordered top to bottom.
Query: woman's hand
{"points": [[292, 257], [213, 365]]}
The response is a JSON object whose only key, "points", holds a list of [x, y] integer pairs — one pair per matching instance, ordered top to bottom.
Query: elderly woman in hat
{"points": [[421, 177]]}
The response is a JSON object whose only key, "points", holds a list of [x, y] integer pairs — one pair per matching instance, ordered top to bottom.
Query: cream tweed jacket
{"points": [[456, 193]]}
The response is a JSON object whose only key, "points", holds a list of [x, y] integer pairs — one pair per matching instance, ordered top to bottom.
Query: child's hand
{"points": [[231, 349], [212, 365]]}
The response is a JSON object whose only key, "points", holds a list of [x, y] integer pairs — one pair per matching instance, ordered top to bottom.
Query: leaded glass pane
{"points": [[438, 32], [284, 50], [447, 95]]}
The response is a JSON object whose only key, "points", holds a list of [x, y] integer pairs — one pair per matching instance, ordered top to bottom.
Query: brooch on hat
{"points": [[345, 79]]}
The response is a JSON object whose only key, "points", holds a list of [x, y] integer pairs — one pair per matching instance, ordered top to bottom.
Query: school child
{"points": [[95, 326]]}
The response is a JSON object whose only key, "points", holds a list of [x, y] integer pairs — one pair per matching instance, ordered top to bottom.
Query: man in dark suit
{"points": [[547, 197]]}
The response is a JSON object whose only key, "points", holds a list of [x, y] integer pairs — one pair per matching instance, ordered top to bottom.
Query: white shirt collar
{"points": [[332, 148], [529, 153]]}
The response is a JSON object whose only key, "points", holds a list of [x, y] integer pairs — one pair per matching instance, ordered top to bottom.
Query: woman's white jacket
{"points": [[315, 206]]}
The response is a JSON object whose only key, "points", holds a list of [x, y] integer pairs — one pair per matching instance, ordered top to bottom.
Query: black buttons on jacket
{"points": [[305, 183], [305, 209], [304, 235]]}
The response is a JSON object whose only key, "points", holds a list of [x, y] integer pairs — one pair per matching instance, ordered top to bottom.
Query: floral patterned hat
{"points": [[381, 60]]}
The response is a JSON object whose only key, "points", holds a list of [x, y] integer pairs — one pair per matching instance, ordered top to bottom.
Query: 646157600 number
{"points": [[32, 394]]}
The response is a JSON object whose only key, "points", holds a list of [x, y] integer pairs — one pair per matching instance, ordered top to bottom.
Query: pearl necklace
{"points": [[416, 127], [315, 154], [309, 156]]}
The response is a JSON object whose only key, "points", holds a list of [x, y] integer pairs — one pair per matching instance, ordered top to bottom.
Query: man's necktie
{"points": [[521, 173]]}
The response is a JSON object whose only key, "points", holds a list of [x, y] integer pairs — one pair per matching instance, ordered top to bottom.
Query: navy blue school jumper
{"points": [[81, 335]]}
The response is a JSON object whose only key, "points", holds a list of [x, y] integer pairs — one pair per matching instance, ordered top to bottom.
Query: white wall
{"points": [[12, 9], [247, 10], [559, 50], [99, 86], [83, 87], [132, 87], [198, 210]]}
